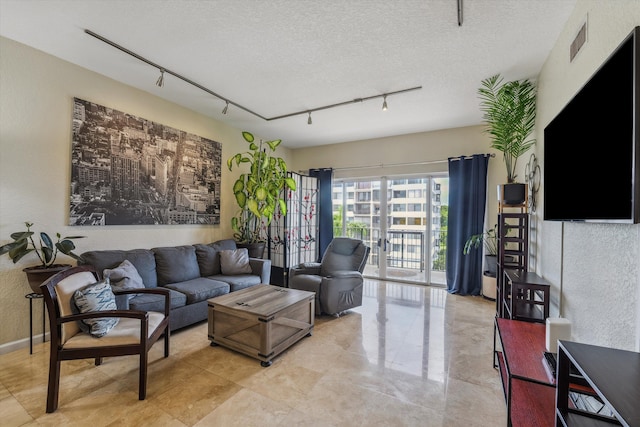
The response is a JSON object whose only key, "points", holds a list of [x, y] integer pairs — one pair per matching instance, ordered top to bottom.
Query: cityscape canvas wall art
{"points": [[126, 170]]}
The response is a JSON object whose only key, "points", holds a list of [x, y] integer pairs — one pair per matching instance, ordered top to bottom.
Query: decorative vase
{"points": [[256, 250], [37, 275]]}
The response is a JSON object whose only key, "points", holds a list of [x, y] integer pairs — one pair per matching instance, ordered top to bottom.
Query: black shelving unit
{"points": [[513, 250]]}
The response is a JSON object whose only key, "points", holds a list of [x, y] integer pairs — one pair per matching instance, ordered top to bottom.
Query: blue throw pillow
{"points": [[96, 297]]}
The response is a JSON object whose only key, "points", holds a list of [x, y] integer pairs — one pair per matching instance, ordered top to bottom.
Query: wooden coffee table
{"points": [[261, 321]]}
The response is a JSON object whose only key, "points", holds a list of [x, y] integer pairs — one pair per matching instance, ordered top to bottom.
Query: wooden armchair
{"points": [[135, 332]]}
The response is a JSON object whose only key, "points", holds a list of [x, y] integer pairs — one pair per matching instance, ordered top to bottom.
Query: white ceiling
{"points": [[282, 56]]}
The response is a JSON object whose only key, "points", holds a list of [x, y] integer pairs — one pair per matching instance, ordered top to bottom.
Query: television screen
{"points": [[591, 148]]}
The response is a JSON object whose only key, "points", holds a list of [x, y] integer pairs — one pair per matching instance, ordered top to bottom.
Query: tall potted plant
{"points": [[510, 113], [258, 192], [46, 251]]}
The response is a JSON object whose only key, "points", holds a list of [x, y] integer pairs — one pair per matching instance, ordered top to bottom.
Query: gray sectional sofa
{"points": [[192, 273]]}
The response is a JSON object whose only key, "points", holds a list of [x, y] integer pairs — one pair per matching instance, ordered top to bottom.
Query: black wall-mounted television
{"points": [[592, 147]]}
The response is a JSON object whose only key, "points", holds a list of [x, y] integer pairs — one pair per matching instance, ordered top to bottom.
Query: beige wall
{"points": [[36, 104]]}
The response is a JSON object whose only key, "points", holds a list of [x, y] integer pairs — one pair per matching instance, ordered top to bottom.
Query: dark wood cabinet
{"points": [[526, 296], [614, 377]]}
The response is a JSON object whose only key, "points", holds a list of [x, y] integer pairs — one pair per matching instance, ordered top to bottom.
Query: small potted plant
{"points": [[510, 114], [258, 192], [489, 241], [46, 251]]}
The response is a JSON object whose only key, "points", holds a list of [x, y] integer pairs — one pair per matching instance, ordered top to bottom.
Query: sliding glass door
{"points": [[402, 219]]}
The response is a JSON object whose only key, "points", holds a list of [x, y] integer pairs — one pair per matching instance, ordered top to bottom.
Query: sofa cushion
{"points": [[225, 244], [209, 256], [142, 259], [208, 259], [235, 261], [176, 264], [124, 276], [239, 281], [200, 289], [96, 297], [154, 302]]}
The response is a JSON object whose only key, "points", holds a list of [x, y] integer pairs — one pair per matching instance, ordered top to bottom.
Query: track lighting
{"points": [[160, 81]]}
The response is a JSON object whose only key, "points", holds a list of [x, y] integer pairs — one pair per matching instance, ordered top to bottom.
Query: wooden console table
{"points": [[528, 389]]}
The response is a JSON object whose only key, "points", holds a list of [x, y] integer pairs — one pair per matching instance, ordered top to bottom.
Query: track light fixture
{"points": [[160, 81]]}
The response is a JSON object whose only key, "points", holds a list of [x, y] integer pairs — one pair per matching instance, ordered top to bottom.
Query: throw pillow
{"points": [[235, 261], [124, 276], [96, 297]]}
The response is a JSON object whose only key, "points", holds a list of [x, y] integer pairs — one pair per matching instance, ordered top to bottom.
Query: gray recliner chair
{"points": [[337, 279]]}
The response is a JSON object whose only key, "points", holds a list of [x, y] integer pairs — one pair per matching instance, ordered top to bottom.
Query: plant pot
{"points": [[513, 194], [256, 250], [491, 265], [37, 275], [489, 287]]}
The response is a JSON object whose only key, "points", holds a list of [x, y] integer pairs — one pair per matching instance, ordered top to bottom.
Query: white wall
{"points": [[35, 148], [594, 268]]}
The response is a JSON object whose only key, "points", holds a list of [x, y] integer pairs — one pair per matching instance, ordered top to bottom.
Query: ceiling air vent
{"points": [[578, 42]]}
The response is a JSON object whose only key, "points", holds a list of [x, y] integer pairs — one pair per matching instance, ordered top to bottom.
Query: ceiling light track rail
{"points": [[173, 73], [228, 102], [340, 104]]}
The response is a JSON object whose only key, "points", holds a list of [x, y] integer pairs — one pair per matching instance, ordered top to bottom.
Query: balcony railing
{"points": [[405, 248]]}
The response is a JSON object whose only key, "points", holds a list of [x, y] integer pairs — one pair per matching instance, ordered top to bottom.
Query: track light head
{"points": [[160, 81], [384, 104], [226, 108], [309, 119]]}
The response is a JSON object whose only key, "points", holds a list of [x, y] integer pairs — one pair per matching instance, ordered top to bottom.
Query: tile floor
{"points": [[410, 356]]}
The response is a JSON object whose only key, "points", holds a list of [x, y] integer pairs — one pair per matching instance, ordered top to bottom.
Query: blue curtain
{"points": [[467, 202], [325, 208]]}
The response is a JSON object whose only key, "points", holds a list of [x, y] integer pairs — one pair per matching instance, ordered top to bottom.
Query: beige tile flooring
{"points": [[410, 356]]}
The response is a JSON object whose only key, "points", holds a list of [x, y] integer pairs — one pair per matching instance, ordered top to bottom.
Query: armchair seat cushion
{"points": [[200, 289], [127, 331]]}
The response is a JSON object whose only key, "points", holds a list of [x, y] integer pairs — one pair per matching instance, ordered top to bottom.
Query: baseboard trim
{"points": [[23, 343]]}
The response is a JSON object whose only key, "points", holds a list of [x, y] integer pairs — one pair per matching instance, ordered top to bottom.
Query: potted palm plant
{"points": [[510, 113], [258, 192], [46, 251]]}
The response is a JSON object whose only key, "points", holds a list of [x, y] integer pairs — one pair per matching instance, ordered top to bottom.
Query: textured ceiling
{"points": [[282, 56]]}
